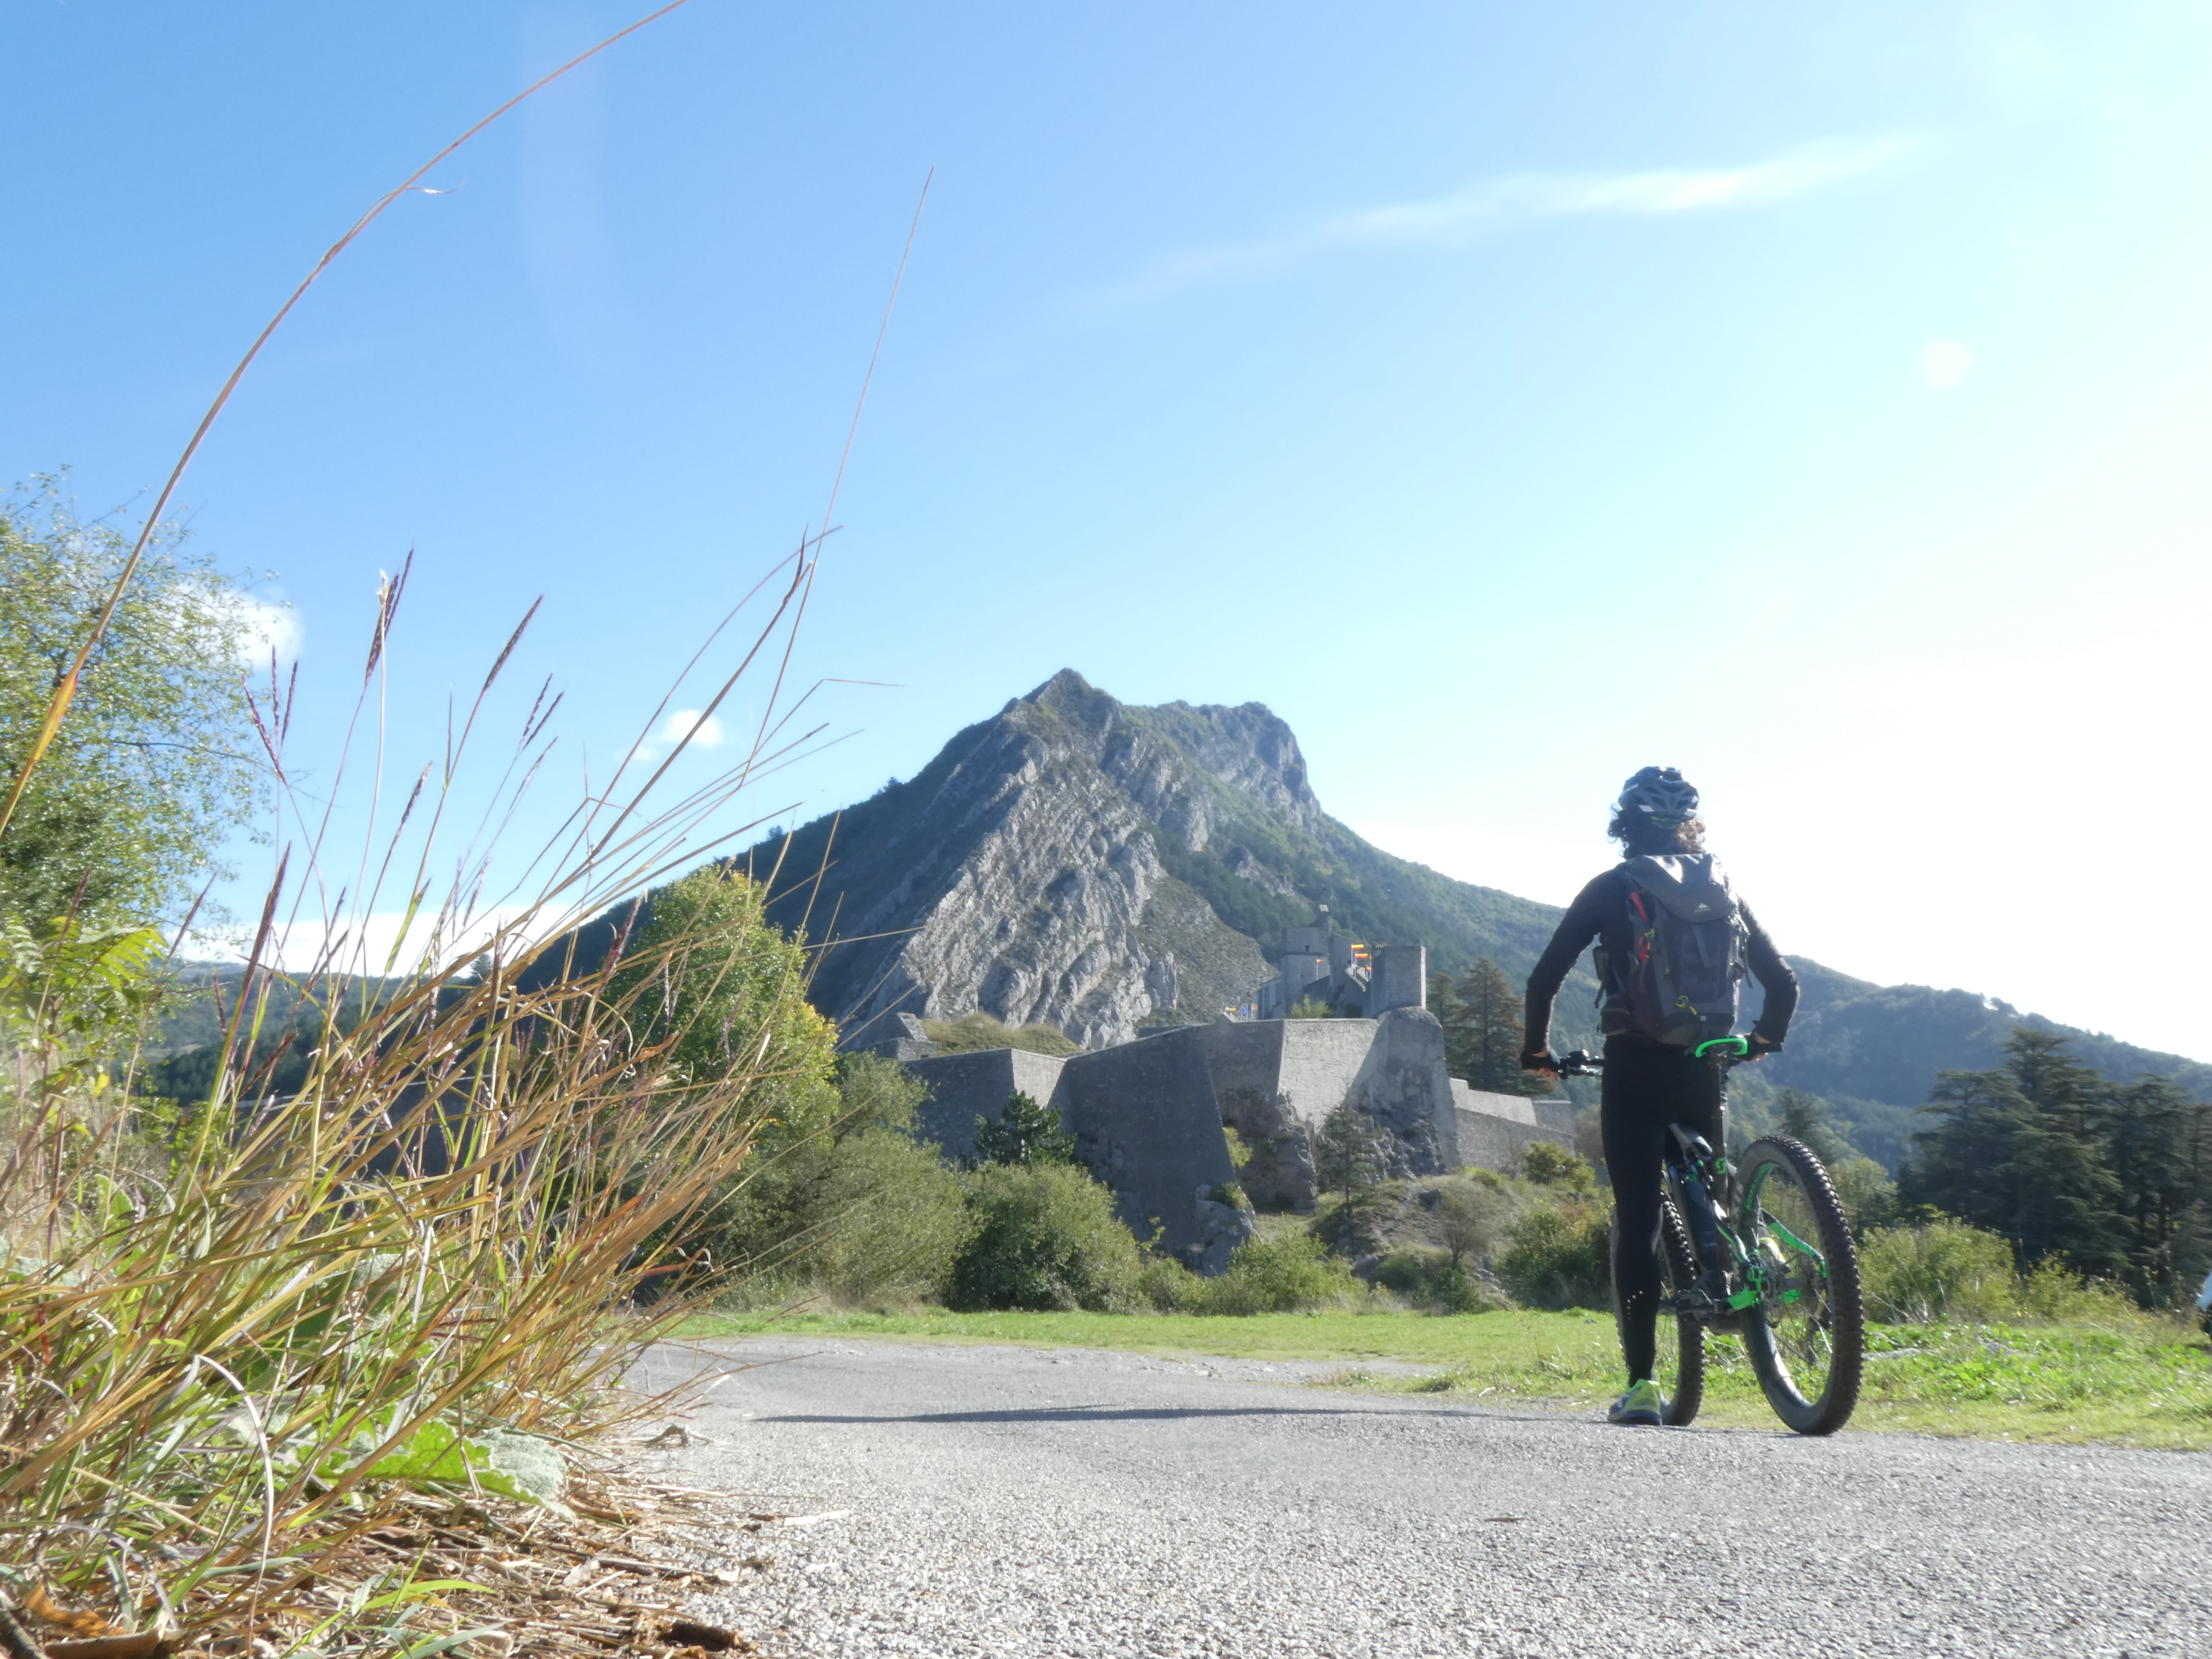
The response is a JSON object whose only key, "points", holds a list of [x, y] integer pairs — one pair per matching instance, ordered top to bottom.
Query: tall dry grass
{"points": [[227, 1332]]}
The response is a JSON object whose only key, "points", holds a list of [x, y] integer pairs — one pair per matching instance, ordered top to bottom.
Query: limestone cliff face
{"points": [[1101, 868], [1020, 874]]}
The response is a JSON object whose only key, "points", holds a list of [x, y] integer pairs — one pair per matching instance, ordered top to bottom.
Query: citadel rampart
{"points": [[1148, 1116]]}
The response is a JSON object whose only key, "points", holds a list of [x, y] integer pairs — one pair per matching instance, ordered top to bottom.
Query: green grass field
{"points": [[2138, 1382]]}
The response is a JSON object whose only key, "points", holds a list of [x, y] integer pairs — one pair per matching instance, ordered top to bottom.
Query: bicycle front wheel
{"points": [[1806, 1336]]}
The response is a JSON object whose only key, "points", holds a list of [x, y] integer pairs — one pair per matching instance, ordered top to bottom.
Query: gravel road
{"points": [[1004, 1501]]}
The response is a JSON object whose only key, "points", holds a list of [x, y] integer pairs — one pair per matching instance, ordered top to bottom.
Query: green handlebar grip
{"points": [[1734, 1045]]}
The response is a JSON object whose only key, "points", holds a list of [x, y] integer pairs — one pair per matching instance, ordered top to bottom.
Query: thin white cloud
{"points": [[1498, 206], [256, 627], [265, 628], [704, 731]]}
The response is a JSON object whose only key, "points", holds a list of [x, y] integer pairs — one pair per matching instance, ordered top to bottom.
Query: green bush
{"points": [[1550, 1165], [796, 1219], [893, 1220], [1044, 1237], [1560, 1256], [1938, 1271], [1288, 1274], [1431, 1279], [1166, 1285], [2055, 1292]]}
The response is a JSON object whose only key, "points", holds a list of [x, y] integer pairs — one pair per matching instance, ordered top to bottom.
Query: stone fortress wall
{"points": [[1148, 1117]]}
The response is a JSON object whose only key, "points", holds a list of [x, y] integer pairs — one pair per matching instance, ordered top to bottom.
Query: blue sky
{"points": [[1507, 396]]}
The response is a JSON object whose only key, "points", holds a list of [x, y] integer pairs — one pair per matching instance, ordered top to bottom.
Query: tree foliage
{"points": [[156, 765], [723, 986], [1481, 1017], [1026, 1132], [1347, 1152], [2063, 1164], [1044, 1236]]}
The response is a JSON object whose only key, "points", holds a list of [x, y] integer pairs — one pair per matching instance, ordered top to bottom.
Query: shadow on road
{"points": [[1151, 1413]]}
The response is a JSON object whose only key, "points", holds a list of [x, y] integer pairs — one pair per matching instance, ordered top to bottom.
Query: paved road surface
{"points": [[1008, 1501]]}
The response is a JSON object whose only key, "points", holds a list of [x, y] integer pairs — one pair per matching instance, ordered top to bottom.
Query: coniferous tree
{"points": [[1445, 1004], [1491, 1048], [1026, 1132], [2153, 1141], [2017, 1151], [1348, 1154]]}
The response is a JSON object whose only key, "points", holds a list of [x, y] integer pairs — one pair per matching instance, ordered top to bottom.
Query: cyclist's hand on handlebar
{"points": [[1540, 1062]]}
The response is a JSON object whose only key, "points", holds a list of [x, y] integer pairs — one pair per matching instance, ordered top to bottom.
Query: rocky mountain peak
{"points": [[1161, 753], [1095, 866]]}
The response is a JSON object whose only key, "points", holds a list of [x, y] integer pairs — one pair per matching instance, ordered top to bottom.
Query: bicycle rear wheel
{"points": [[1806, 1337], [1679, 1363]]}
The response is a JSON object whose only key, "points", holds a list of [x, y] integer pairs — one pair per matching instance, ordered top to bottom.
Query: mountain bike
{"points": [[1759, 1249]]}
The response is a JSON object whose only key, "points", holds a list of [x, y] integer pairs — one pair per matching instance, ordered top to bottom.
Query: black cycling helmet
{"points": [[1659, 794]]}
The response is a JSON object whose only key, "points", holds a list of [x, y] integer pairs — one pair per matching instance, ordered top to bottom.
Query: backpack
{"points": [[1683, 980]]}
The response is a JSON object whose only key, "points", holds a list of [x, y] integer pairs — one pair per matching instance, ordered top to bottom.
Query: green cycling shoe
{"points": [[1642, 1407]]}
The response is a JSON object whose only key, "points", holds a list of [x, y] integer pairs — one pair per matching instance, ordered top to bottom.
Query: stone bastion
{"points": [[1148, 1117]]}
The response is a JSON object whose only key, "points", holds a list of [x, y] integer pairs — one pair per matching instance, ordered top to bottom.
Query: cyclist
{"points": [[1648, 1084]]}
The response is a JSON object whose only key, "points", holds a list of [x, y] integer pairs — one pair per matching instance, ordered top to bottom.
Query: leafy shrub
{"points": [[1239, 1153], [1549, 1164], [1229, 1192], [1469, 1215], [796, 1219], [893, 1220], [1044, 1237], [1559, 1257], [1941, 1270], [1287, 1273], [1431, 1278], [1167, 1286], [2052, 1291]]}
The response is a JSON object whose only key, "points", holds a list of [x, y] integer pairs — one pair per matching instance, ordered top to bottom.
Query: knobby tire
{"points": [[1808, 1354]]}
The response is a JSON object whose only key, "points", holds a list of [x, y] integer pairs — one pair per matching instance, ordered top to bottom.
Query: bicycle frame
{"points": [[1700, 1183]]}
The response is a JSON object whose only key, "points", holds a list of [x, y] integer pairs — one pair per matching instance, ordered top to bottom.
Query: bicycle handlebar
{"points": [[1727, 1051]]}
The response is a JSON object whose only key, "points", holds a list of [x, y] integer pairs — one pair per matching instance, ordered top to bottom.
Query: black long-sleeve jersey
{"points": [[1599, 913]]}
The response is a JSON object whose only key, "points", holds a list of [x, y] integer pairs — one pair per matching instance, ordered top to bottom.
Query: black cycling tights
{"points": [[1647, 1086]]}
